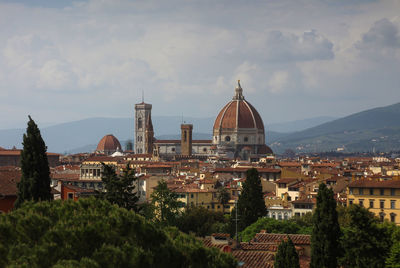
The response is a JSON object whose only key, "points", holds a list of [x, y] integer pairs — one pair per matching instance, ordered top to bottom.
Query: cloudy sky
{"points": [[68, 60]]}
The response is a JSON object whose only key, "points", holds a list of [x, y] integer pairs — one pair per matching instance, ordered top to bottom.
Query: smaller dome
{"points": [[108, 145]]}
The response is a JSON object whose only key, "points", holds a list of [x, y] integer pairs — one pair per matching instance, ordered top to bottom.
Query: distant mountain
{"points": [[299, 125], [375, 129], [83, 134]]}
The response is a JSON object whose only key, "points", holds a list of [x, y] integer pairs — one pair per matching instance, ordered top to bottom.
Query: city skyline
{"points": [[71, 60]]}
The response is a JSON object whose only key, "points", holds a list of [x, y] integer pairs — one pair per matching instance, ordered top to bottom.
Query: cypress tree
{"points": [[35, 179], [251, 204], [325, 247], [287, 257]]}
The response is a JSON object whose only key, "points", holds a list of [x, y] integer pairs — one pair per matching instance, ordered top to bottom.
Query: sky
{"points": [[68, 60]]}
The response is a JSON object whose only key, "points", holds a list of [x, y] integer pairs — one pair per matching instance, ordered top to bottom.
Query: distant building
{"points": [[238, 132], [108, 145], [381, 197]]}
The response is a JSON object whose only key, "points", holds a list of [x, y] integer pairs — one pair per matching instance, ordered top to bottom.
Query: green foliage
{"points": [[35, 180], [120, 189], [223, 197], [165, 203], [251, 205], [200, 221], [273, 226], [94, 233], [365, 242], [325, 247], [287, 257], [393, 261]]}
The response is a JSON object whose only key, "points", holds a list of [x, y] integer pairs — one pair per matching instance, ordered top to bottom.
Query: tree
{"points": [[128, 145], [35, 179], [120, 189], [223, 197], [251, 203], [166, 204], [199, 220], [273, 226], [94, 233], [365, 242], [325, 247], [287, 256], [393, 261]]}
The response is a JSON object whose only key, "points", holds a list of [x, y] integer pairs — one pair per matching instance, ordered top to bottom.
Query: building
{"points": [[239, 130], [144, 133], [108, 145], [13, 158], [381, 197]]}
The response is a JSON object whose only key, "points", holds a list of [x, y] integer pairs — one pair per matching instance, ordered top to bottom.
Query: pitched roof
{"points": [[9, 177], [362, 183], [298, 239]]}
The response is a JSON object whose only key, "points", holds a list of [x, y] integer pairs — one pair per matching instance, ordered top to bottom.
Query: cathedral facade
{"points": [[238, 132]]}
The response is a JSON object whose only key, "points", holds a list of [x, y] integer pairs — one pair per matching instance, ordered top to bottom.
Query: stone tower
{"points": [[143, 128], [186, 139]]}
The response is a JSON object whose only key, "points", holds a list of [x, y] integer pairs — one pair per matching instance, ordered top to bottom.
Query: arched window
{"points": [[228, 138]]}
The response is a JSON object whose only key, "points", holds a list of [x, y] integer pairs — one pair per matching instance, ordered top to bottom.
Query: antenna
{"points": [[142, 95]]}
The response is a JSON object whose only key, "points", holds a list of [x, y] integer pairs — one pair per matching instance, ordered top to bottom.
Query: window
{"points": [[139, 123], [184, 135], [227, 138], [246, 139], [173, 149], [204, 149], [350, 190], [360, 191], [371, 191], [382, 191], [392, 191], [70, 195], [191, 196], [351, 201], [361, 202], [371, 203], [382, 203], [392, 204], [279, 216], [285, 216], [381, 216], [392, 217]]}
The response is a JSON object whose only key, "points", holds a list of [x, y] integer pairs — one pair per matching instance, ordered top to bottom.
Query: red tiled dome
{"points": [[238, 114], [108, 143]]}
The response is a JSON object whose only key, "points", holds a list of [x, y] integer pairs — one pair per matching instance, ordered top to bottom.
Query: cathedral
{"points": [[238, 133]]}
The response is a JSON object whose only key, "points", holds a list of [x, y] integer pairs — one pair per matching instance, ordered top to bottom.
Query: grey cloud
{"points": [[382, 34], [290, 47]]}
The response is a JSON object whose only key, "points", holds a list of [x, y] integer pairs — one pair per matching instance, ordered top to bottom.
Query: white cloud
{"points": [[99, 54], [278, 81]]}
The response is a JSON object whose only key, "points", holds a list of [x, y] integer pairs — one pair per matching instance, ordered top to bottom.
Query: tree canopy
{"points": [[35, 179], [120, 189], [251, 203], [165, 204], [200, 221], [273, 226], [95, 233], [365, 242], [325, 246], [287, 256]]}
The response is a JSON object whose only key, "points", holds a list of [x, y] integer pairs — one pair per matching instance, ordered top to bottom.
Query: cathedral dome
{"points": [[238, 113], [108, 145]]}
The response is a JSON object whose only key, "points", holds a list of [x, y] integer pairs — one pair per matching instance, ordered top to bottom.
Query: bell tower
{"points": [[143, 129]]}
